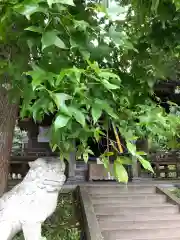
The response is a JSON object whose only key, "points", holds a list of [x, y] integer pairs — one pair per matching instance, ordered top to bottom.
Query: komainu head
{"points": [[47, 171]]}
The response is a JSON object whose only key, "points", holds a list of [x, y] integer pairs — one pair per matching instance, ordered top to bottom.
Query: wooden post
{"points": [[33, 132], [141, 145], [72, 165], [135, 167]]}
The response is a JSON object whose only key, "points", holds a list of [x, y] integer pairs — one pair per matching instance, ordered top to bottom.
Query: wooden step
{"points": [[122, 190], [153, 198], [136, 202], [128, 204], [123, 209], [133, 213], [140, 217], [131, 225], [142, 234], [157, 238]]}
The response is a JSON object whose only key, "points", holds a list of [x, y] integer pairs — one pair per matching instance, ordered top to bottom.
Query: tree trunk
{"points": [[8, 116]]}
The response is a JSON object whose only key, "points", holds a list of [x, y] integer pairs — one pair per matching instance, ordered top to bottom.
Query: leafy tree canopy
{"points": [[91, 67]]}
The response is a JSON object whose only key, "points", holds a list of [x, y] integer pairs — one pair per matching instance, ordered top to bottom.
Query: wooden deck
{"points": [[136, 211]]}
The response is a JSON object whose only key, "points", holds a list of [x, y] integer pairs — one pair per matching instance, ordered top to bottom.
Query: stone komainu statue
{"points": [[29, 203]]}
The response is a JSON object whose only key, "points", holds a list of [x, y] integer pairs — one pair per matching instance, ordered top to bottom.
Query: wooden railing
{"points": [[34, 152], [19, 162], [166, 164]]}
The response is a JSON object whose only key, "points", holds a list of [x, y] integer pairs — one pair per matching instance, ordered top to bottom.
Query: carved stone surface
{"points": [[32, 201]]}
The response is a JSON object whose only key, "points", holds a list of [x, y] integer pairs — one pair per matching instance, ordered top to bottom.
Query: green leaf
{"points": [[50, 2], [66, 2], [177, 4], [155, 5], [28, 9], [81, 25], [34, 29], [50, 38], [119, 38], [85, 54], [38, 75], [107, 75], [109, 85], [60, 99], [104, 105], [40, 106], [96, 113], [78, 115], [61, 121], [98, 134], [54, 147], [131, 147], [89, 151], [141, 153], [107, 154], [65, 155], [85, 157], [124, 160], [105, 161], [146, 164], [120, 172]]}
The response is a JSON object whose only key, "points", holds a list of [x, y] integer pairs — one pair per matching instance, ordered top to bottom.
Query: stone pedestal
{"points": [[98, 172]]}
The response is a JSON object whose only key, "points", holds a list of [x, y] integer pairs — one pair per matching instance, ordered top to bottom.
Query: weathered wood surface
{"points": [[92, 228]]}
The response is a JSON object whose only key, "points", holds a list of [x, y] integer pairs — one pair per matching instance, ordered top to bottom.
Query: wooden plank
{"points": [[92, 228]]}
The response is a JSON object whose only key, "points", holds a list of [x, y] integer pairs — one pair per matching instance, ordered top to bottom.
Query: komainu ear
{"points": [[37, 163], [30, 164]]}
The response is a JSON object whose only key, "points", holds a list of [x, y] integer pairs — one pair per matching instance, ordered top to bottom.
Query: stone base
{"points": [[71, 179], [140, 179], [74, 181]]}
